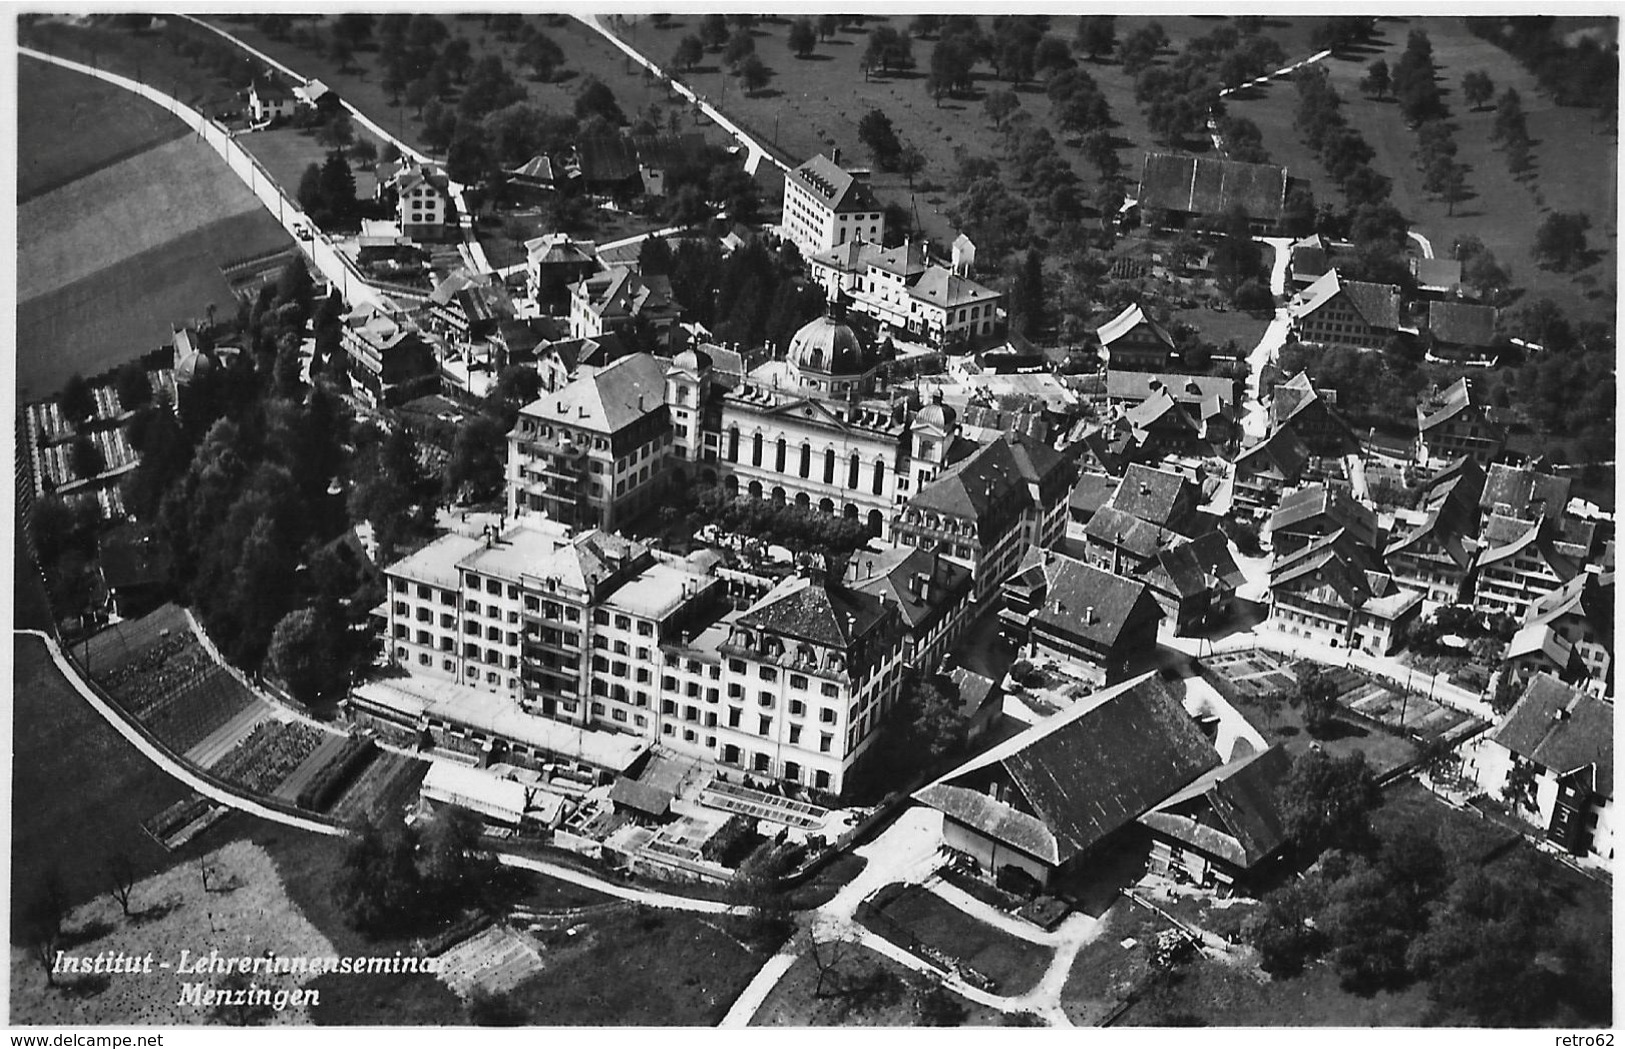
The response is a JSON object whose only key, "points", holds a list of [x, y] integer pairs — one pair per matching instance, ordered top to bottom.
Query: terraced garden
{"points": [[270, 753], [384, 788]]}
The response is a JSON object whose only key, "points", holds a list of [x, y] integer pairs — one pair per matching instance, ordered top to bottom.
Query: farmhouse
{"points": [[269, 99], [1183, 188], [618, 299], [1337, 312], [1133, 342], [1310, 415], [1450, 423], [1264, 469], [1310, 513], [1521, 562], [1194, 581], [1336, 592], [1046, 799], [1224, 828]]}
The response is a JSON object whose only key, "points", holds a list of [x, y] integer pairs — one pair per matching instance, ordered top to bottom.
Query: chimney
{"points": [[835, 156], [1089, 615]]}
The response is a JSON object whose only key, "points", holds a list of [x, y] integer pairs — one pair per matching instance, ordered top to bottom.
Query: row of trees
{"points": [[1584, 73]]}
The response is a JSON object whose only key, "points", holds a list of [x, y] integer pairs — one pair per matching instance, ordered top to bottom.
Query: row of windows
{"points": [[781, 461]]}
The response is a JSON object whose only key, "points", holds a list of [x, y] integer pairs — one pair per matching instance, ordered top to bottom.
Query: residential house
{"points": [[269, 99], [659, 157], [538, 178], [1179, 189], [423, 204], [826, 206], [1309, 260], [553, 263], [1436, 278], [905, 292], [620, 299], [1337, 312], [1459, 330], [1133, 342], [386, 357], [1209, 399], [1311, 416], [1450, 423], [1160, 426], [593, 454], [1265, 469], [1093, 491], [1525, 493], [1162, 497], [989, 509], [1317, 510], [1116, 541], [1521, 562], [1194, 581], [1336, 592], [932, 594], [1067, 609], [1581, 611], [1538, 649], [980, 701], [1553, 758], [1044, 801], [1223, 830]]}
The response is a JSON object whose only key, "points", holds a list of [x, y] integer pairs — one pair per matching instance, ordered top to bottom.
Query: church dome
{"points": [[829, 346], [692, 360], [191, 366], [938, 415]]}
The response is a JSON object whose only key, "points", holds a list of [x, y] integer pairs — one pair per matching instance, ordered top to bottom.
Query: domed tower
{"points": [[829, 358], [688, 388], [931, 435]]}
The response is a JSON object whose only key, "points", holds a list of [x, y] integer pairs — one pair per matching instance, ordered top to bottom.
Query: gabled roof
{"points": [[668, 151], [607, 158], [539, 168], [834, 186], [1211, 186], [560, 249], [854, 256], [907, 260], [1309, 260], [1436, 273], [940, 287], [1376, 304], [1126, 321], [1462, 323], [1186, 389], [610, 399], [1444, 405], [1154, 408], [1281, 452], [1093, 491], [1523, 491], [1156, 495], [1340, 510], [1437, 526], [1124, 531], [1538, 536], [1201, 565], [1348, 567], [1589, 594], [1083, 601], [821, 612], [1539, 639], [975, 690], [1562, 729], [1081, 774], [640, 796], [1232, 812]]}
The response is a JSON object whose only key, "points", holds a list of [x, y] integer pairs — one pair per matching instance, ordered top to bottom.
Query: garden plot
{"points": [[269, 754], [384, 788], [492, 962]]}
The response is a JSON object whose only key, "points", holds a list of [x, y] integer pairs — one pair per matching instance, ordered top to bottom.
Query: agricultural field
{"points": [[74, 125], [1574, 154], [58, 739], [274, 749], [383, 789]]}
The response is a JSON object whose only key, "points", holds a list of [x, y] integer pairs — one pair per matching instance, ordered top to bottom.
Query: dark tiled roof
{"points": [[607, 158], [834, 185], [1209, 186], [1436, 273], [940, 287], [1377, 303], [1186, 389], [607, 401], [1281, 452], [991, 477], [1093, 491], [1524, 491], [1154, 495], [1339, 509], [1120, 529], [1200, 565], [895, 578], [1590, 594], [1083, 601], [831, 615], [975, 690], [1563, 730], [1084, 773], [640, 796], [1238, 817]]}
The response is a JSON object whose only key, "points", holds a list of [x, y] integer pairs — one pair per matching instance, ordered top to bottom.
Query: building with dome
{"points": [[816, 428]]}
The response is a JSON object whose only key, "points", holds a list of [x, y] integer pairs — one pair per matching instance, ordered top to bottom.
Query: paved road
{"points": [[1422, 242], [1255, 419]]}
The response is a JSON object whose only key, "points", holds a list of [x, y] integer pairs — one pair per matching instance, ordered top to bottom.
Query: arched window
{"points": [[733, 444], [756, 449], [779, 458], [806, 459], [829, 466], [852, 472], [880, 476]]}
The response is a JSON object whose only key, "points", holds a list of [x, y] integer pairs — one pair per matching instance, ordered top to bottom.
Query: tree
{"points": [[827, 25], [925, 25], [1097, 35], [803, 37], [742, 43], [888, 49], [1139, 49], [689, 51], [542, 55], [1053, 55], [753, 73], [1376, 80], [1477, 88], [596, 99], [1000, 104], [1509, 117], [876, 132], [337, 133], [910, 162], [1448, 178], [337, 190], [1560, 242], [1029, 298], [76, 401], [86, 457], [301, 654], [1326, 802], [120, 874], [378, 882], [754, 888], [39, 925], [1283, 929], [936, 1006]]}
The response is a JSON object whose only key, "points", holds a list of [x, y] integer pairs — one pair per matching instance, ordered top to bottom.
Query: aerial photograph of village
{"points": [[810, 520]]}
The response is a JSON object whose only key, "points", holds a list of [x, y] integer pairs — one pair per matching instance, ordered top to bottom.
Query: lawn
{"points": [[149, 56], [70, 125], [285, 152], [1575, 160], [120, 211], [127, 308], [79, 790], [244, 911], [1015, 964], [1106, 972], [1213, 992], [879, 997]]}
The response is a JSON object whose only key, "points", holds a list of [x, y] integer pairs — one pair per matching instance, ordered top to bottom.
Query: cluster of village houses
{"points": [[560, 658]]}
